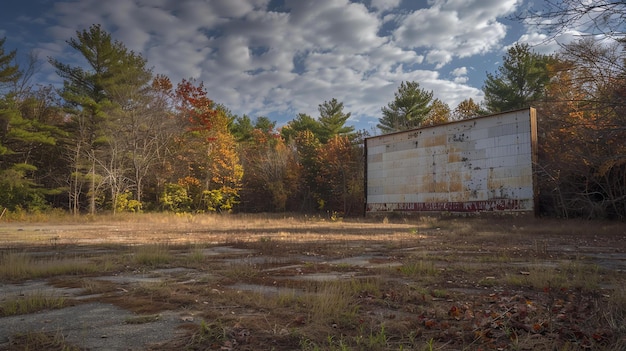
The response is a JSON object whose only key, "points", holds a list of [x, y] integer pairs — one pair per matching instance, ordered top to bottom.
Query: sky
{"points": [[278, 58]]}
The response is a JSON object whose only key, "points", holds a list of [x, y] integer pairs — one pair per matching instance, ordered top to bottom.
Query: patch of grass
{"points": [[153, 255], [196, 255], [500, 257], [21, 266], [418, 268], [586, 277], [91, 286], [439, 293], [332, 301], [30, 303], [143, 319], [208, 334], [378, 340], [41, 341]]}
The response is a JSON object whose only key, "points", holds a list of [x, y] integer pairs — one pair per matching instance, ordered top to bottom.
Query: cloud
{"points": [[385, 5], [455, 28], [281, 61]]}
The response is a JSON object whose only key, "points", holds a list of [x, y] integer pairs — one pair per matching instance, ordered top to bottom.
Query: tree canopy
{"points": [[519, 82], [409, 109], [117, 137]]}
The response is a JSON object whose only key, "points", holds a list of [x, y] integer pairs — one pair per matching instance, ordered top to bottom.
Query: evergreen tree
{"points": [[9, 72], [520, 81], [103, 99], [410, 108], [332, 120], [301, 123], [24, 137]]}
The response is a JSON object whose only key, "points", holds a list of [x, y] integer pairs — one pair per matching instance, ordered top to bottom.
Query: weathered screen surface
{"points": [[480, 164]]}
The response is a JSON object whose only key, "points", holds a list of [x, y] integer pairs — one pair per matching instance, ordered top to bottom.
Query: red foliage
{"points": [[195, 106]]}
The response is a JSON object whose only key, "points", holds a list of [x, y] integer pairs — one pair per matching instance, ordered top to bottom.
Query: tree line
{"points": [[117, 137]]}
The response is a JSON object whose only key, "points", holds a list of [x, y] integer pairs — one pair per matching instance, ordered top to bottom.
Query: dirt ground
{"points": [[244, 282]]}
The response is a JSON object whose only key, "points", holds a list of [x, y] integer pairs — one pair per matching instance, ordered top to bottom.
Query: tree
{"points": [[593, 17], [9, 72], [519, 82], [106, 88], [409, 109], [467, 109], [439, 113], [332, 120], [301, 123], [242, 128], [27, 139], [308, 146], [205, 162], [583, 167], [340, 176]]}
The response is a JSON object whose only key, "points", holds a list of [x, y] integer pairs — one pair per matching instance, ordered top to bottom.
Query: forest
{"points": [[118, 137]]}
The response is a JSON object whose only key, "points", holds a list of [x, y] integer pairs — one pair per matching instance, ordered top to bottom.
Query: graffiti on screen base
{"points": [[470, 206]]}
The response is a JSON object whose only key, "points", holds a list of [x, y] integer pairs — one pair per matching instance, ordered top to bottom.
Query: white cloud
{"points": [[385, 5], [455, 28], [263, 62]]}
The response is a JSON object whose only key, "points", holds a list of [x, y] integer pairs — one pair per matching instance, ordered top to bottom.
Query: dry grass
{"points": [[152, 255], [21, 266], [40, 341]]}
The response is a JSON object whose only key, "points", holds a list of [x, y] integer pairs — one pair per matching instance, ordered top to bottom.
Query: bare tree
{"points": [[607, 17]]}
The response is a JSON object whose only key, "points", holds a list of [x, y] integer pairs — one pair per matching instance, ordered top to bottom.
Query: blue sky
{"points": [[278, 58]]}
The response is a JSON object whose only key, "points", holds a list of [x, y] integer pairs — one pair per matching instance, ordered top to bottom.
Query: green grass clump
{"points": [[30, 303]]}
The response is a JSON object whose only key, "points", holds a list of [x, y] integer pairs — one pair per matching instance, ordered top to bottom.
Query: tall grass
{"points": [[153, 255], [21, 266]]}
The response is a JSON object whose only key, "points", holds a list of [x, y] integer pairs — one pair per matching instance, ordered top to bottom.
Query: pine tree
{"points": [[410, 108]]}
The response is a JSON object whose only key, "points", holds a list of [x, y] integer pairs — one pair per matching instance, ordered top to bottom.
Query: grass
{"points": [[152, 255], [15, 266], [417, 268], [570, 275], [330, 302], [30, 303], [403, 307], [143, 319], [41, 341]]}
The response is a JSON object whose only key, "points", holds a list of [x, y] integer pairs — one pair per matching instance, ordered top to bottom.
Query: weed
{"points": [[379, 339], [429, 345]]}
